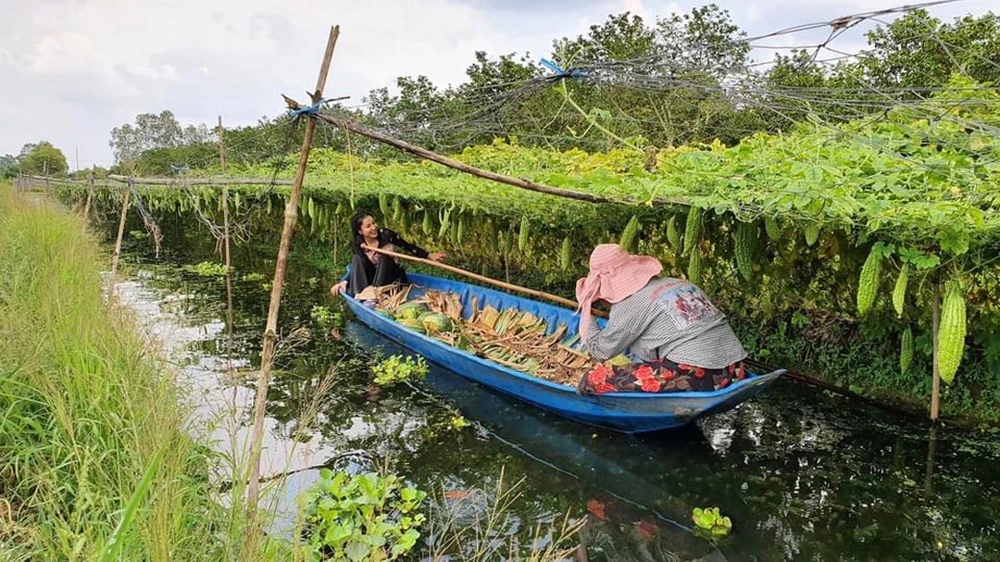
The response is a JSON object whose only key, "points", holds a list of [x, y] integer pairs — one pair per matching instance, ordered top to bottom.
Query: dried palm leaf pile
{"points": [[508, 337]]}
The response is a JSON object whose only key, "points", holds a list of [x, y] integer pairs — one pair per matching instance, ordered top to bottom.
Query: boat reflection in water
{"points": [[629, 516]]}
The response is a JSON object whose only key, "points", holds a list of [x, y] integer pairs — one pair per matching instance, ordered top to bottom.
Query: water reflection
{"points": [[803, 476]]}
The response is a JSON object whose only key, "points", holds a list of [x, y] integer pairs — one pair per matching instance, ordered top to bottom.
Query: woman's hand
{"points": [[438, 256], [336, 289]]}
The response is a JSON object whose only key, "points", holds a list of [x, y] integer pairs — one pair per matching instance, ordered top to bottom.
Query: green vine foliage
{"points": [[922, 176], [362, 518]]}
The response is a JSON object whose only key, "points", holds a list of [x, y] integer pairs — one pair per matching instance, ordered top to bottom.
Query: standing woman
{"points": [[371, 269]]}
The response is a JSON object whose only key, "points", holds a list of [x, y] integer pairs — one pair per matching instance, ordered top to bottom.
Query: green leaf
{"points": [[338, 533], [356, 551]]}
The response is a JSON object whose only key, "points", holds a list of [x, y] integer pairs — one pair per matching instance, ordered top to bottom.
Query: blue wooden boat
{"points": [[629, 412]]}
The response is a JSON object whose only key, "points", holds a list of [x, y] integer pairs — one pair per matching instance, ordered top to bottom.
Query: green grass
{"points": [[95, 459]]}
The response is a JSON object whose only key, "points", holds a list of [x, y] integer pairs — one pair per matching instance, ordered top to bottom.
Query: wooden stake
{"points": [[222, 146], [90, 195], [118, 244], [229, 276], [517, 288], [271, 330], [936, 392]]}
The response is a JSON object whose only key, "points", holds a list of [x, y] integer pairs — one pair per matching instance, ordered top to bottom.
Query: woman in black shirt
{"points": [[371, 268]]}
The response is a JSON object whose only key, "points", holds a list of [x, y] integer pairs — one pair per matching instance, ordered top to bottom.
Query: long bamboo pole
{"points": [[354, 126], [202, 181], [118, 245], [482, 278], [271, 330]]}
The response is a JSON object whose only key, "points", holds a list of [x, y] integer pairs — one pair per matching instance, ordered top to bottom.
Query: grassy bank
{"points": [[86, 411]]}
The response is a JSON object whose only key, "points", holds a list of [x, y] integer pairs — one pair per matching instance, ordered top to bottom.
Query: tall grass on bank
{"points": [[84, 411]]}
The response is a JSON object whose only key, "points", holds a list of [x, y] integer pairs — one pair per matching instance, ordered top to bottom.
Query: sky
{"points": [[71, 70]]}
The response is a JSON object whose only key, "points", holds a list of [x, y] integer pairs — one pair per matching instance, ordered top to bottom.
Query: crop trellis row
{"points": [[913, 190]]}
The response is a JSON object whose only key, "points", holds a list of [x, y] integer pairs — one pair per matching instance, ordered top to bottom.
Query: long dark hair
{"points": [[357, 239]]}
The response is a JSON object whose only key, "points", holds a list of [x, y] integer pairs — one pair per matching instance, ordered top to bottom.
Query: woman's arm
{"points": [[390, 237], [625, 325]]}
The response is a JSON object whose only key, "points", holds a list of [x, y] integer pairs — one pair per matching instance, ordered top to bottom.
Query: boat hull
{"points": [[629, 412]]}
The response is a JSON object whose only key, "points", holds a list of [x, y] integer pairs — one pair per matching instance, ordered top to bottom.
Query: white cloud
{"points": [[68, 52], [73, 69], [163, 72]]}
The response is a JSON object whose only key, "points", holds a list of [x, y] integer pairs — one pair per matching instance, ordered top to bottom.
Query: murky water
{"points": [[803, 475]]}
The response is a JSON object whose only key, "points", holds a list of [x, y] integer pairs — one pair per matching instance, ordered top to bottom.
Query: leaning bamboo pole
{"points": [[355, 127], [112, 278], [271, 330]]}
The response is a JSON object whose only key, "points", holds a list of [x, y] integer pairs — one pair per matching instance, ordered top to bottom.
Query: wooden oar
{"points": [[533, 292]]}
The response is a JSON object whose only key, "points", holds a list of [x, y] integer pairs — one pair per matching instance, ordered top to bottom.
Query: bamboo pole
{"points": [[354, 126], [222, 146], [201, 181], [90, 195], [118, 244], [229, 276], [482, 278], [270, 332], [845, 392], [936, 392]]}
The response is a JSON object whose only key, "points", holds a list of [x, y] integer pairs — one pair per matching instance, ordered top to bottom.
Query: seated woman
{"points": [[371, 269], [681, 340]]}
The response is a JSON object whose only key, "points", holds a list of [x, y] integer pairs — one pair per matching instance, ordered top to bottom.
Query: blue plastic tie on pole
{"points": [[559, 72], [311, 110]]}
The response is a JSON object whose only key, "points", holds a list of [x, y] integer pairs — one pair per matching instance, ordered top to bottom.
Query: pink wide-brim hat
{"points": [[614, 275]]}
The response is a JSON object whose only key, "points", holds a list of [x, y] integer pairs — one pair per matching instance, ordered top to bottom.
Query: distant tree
{"points": [[622, 36], [705, 40], [919, 51], [683, 59], [793, 84], [411, 111], [153, 131], [43, 158], [164, 161], [8, 166], [85, 173]]}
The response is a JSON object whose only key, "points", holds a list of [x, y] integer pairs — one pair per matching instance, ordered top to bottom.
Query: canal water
{"points": [[803, 475]]}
